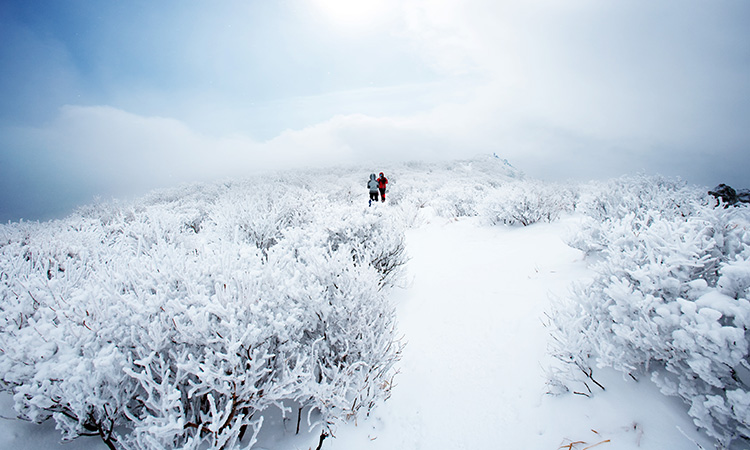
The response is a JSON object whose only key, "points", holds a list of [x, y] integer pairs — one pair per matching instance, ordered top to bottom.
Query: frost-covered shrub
{"points": [[450, 189], [642, 194], [455, 200], [527, 202], [603, 202], [259, 213], [373, 238], [669, 301], [175, 322]]}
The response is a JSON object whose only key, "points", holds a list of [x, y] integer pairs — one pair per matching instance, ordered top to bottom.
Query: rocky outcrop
{"points": [[728, 196]]}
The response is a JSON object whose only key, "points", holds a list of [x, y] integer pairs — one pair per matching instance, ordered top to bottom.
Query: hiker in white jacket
{"points": [[373, 186]]}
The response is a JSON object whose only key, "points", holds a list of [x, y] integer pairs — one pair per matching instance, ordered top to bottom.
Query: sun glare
{"points": [[352, 12]]}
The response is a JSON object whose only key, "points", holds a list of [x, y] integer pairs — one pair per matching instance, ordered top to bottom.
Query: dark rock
{"points": [[724, 193], [729, 196]]}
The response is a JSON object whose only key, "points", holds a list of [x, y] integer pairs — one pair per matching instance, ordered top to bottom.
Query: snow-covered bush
{"points": [[451, 190], [463, 192], [640, 194], [527, 202], [603, 202], [260, 213], [373, 239], [669, 300], [178, 320]]}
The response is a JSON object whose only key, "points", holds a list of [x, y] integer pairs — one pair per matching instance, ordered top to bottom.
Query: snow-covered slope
{"points": [[303, 259]]}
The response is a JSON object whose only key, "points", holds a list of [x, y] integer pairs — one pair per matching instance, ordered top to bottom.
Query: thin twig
{"points": [[323, 436], [592, 446]]}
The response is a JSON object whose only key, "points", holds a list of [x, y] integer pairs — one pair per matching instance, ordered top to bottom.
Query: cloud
{"points": [[592, 88], [577, 89], [102, 151]]}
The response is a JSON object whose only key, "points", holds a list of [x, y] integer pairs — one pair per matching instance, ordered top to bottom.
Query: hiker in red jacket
{"points": [[382, 181]]}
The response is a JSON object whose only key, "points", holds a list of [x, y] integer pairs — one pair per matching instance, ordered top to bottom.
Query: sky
{"points": [[115, 98]]}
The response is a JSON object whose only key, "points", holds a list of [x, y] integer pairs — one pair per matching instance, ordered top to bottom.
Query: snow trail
{"points": [[470, 374]]}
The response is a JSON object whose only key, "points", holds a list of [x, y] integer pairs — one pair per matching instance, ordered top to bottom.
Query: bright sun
{"points": [[352, 12]]}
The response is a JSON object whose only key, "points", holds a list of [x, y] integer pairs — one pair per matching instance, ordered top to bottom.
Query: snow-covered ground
{"points": [[472, 374]]}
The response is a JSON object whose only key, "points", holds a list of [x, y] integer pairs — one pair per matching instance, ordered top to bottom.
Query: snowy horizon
{"points": [[63, 209]]}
